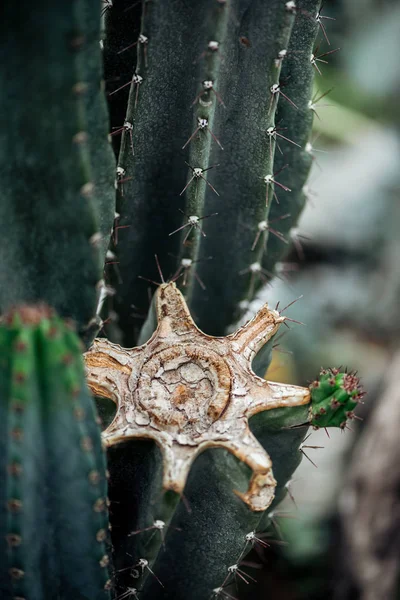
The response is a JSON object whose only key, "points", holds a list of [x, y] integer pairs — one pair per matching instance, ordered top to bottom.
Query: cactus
{"points": [[56, 209], [334, 397], [201, 448], [52, 471]]}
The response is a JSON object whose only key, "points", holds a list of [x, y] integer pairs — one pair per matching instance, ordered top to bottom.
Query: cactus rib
{"points": [[52, 474]]}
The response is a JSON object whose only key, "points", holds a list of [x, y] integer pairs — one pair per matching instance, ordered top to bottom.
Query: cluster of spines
{"points": [[334, 396], [47, 398]]}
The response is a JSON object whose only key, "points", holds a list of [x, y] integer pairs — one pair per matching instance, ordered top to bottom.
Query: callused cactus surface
{"points": [[189, 391]]}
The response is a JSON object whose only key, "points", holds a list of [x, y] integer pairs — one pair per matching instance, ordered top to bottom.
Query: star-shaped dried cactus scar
{"points": [[189, 391]]}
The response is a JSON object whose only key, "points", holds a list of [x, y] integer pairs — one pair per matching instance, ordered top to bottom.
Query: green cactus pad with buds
{"points": [[334, 396], [53, 515]]}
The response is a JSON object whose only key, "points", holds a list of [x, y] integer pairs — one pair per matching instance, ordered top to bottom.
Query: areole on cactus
{"points": [[215, 87]]}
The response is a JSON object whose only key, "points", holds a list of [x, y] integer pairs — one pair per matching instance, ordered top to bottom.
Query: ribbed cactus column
{"points": [[295, 125], [198, 139], [102, 160], [56, 170], [198, 172], [245, 176], [53, 513]]}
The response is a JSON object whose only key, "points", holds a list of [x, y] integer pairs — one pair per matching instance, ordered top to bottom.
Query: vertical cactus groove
{"points": [[120, 31], [207, 106], [160, 110], [49, 222], [52, 477]]}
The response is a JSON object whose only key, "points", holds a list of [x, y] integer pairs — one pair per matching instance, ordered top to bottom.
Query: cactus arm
{"points": [[296, 67], [154, 90], [46, 181], [5, 385], [190, 392], [334, 396], [72, 438], [53, 475], [17, 492], [218, 526], [215, 537]]}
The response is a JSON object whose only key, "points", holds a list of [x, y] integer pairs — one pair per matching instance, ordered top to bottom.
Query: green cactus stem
{"points": [[102, 159], [197, 169], [56, 171], [208, 482], [53, 512]]}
